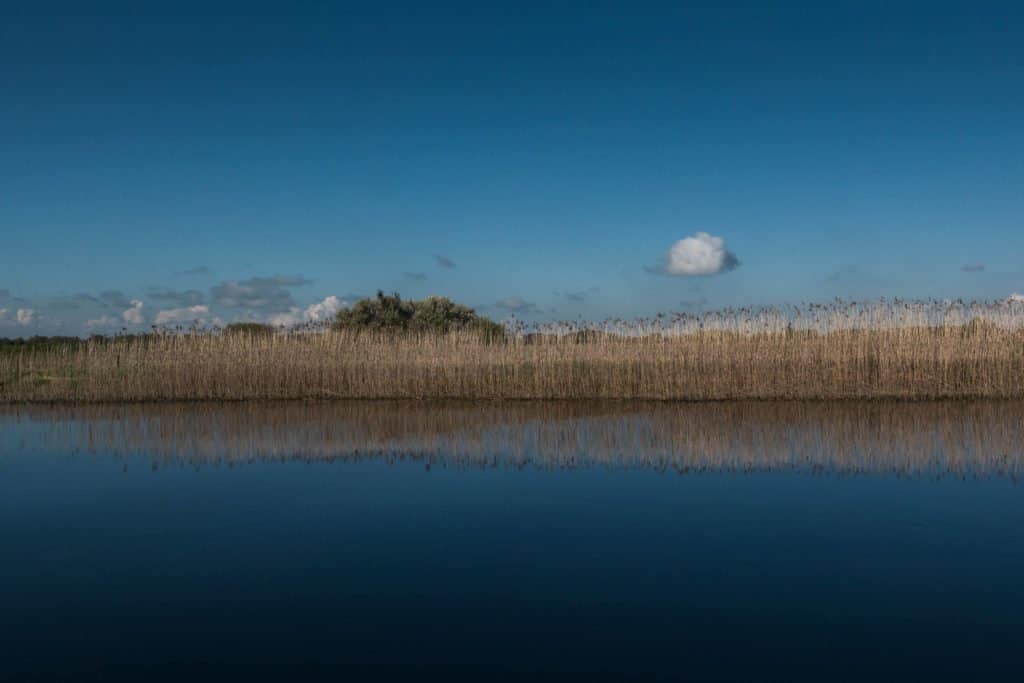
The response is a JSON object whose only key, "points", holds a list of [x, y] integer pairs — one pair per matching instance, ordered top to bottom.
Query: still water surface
{"points": [[359, 541]]}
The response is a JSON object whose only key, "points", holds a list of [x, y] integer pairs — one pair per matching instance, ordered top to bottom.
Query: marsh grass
{"points": [[843, 351]]}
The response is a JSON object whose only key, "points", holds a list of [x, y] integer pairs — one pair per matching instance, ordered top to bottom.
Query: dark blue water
{"points": [[260, 545]]}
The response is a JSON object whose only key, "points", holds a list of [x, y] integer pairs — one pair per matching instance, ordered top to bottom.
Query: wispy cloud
{"points": [[698, 254], [444, 262], [973, 268], [198, 270], [416, 277], [269, 294], [583, 295], [115, 298], [184, 298], [63, 303], [516, 305]]}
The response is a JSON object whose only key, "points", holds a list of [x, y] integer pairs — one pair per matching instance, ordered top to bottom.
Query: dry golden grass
{"points": [[914, 362]]}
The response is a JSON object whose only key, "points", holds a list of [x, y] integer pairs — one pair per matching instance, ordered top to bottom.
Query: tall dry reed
{"points": [[837, 352]]}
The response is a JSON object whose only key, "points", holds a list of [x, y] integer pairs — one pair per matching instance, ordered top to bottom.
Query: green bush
{"points": [[435, 314]]}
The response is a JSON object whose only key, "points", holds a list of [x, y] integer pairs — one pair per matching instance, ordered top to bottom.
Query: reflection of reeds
{"points": [[891, 350], [962, 439]]}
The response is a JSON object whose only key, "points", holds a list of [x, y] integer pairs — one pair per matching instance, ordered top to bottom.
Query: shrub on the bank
{"points": [[435, 314]]}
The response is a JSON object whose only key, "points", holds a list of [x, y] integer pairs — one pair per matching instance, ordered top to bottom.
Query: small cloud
{"points": [[699, 254], [444, 262], [973, 268], [198, 270], [417, 277], [266, 293], [582, 296], [188, 297], [114, 298], [1015, 298], [63, 304], [517, 305], [318, 312], [186, 314], [25, 316], [133, 316]]}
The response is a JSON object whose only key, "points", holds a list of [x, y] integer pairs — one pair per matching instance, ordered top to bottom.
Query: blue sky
{"points": [[252, 160]]}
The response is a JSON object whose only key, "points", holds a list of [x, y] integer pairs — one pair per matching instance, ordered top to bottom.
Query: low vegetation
{"points": [[433, 315], [389, 348]]}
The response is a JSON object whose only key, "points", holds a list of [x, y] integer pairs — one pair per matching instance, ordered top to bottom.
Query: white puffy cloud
{"points": [[699, 254], [1015, 298], [323, 310], [187, 314], [25, 316], [133, 316]]}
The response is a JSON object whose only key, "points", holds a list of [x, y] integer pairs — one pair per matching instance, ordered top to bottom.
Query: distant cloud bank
{"points": [[699, 254], [266, 293], [185, 314], [23, 317]]}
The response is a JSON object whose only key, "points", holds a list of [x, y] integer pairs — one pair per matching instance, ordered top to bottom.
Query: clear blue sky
{"points": [[552, 152]]}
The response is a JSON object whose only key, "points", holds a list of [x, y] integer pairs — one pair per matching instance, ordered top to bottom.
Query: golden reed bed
{"points": [[974, 360], [935, 439]]}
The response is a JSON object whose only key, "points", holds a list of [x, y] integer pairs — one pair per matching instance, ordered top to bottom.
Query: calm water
{"points": [[355, 541]]}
